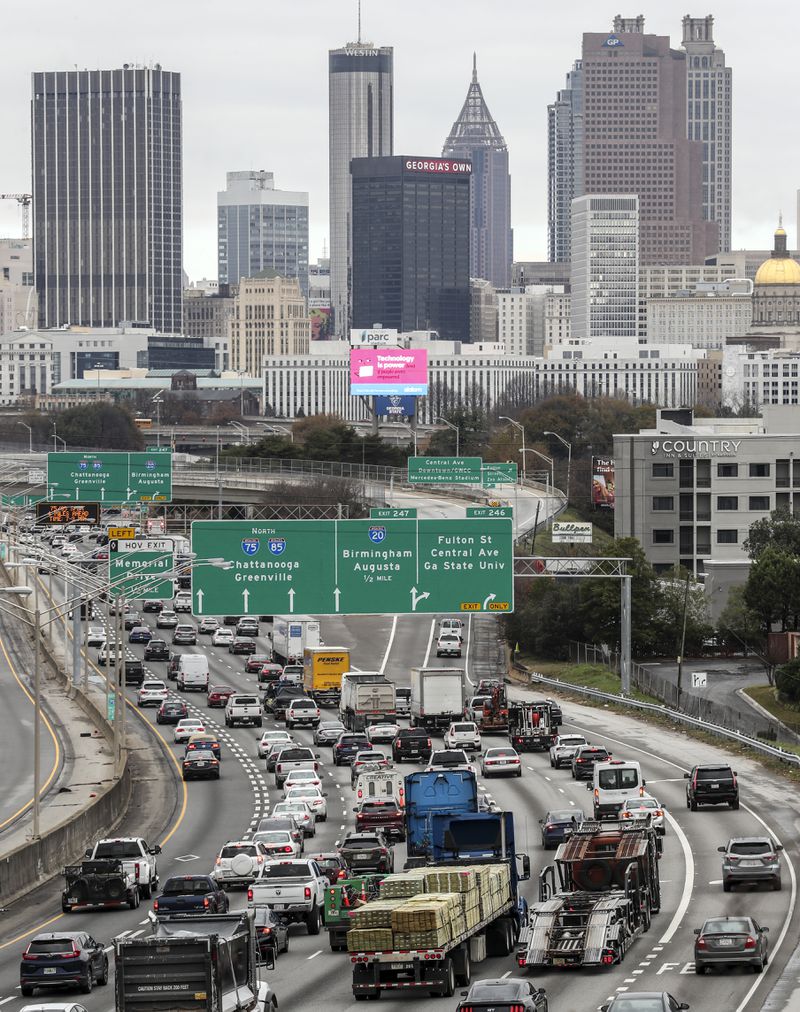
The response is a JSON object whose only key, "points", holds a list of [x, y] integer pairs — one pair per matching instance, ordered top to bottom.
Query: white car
{"points": [[69, 549], [182, 602], [166, 619], [208, 625], [95, 636], [223, 637], [448, 645], [107, 654], [152, 693], [304, 712], [185, 728], [382, 733], [463, 734], [270, 738], [563, 749], [449, 759], [502, 761], [302, 778], [312, 796], [634, 808], [300, 812], [279, 844], [238, 863]]}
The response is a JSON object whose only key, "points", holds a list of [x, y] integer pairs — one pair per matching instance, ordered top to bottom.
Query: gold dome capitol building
{"points": [[776, 299]]}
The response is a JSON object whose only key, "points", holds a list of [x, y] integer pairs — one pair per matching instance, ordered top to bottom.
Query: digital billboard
{"points": [[387, 371], [395, 406], [602, 483]]}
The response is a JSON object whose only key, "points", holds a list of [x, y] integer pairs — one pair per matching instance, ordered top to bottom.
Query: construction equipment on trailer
{"points": [[495, 710], [529, 728], [608, 889], [341, 902]]}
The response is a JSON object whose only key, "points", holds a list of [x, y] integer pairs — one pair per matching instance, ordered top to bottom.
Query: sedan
{"points": [[153, 606], [166, 619], [132, 620], [208, 626], [140, 634], [184, 635], [95, 636], [222, 638], [241, 645], [156, 650], [255, 662], [218, 695], [171, 711], [186, 728], [328, 732], [382, 734], [269, 739], [202, 740], [502, 761], [201, 764], [302, 778], [312, 796], [639, 808], [300, 812], [555, 825], [280, 843], [751, 859], [272, 934], [730, 941], [58, 960], [501, 993], [645, 1001]]}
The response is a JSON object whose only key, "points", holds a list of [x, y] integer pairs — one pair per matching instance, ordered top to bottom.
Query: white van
{"points": [[192, 673], [613, 782], [381, 785]]}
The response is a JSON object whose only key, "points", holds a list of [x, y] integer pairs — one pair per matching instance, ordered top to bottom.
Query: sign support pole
{"points": [[625, 635], [76, 638]]}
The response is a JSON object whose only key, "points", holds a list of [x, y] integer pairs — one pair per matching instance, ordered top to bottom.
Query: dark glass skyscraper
{"points": [[107, 197], [411, 229]]}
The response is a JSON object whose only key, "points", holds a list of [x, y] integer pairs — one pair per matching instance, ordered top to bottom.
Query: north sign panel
{"points": [[110, 477]]}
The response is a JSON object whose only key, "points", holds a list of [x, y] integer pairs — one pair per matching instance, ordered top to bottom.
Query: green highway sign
{"points": [[166, 448], [444, 470], [499, 474], [110, 477], [19, 500], [484, 512], [377, 513], [353, 567], [141, 568], [111, 707]]}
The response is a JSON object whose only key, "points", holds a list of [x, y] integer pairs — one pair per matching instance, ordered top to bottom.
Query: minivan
{"points": [[613, 782]]}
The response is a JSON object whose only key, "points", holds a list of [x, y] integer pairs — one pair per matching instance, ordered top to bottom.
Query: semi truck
{"points": [[292, 634], [323, 669], [437, 696], [367, 698], [529, 728], [435, 792], [458, 842], [600, 894], [195, 963]]}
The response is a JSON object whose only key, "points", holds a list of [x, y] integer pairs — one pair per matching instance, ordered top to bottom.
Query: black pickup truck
{"points": [[190, 894]]}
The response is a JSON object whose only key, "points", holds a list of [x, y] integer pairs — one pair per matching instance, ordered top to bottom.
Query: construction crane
{"points": [[24, 200]]}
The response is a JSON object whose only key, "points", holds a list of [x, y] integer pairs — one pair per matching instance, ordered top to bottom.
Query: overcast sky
{"points": [[255, 90]]}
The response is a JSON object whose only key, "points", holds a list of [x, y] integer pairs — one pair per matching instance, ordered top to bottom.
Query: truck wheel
{"points": [[259, 722], [146, 890], [133, 898], [312, 921], [463, 966], [449, 986], [27, 991]]}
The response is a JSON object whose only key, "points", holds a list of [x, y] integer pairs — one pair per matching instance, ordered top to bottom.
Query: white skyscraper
{"points": [[605, 265]]}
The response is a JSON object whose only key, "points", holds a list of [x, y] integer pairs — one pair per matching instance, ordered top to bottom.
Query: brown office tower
{"points": [[634, 93]]}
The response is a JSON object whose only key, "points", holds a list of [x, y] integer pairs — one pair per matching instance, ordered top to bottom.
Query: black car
{"points": [[153, 606], [231, 619], [242, 645], [156, 650], [134, 671], [276, 702], [171, 711], [411, 743], [346, 747], [584, 759], [200, 764], [711, 785], [555, 825], [367, 852], [191, 894], [272, 934], [66, 958], [502, 994]]}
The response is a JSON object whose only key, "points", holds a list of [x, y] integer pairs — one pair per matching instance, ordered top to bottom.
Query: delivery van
{"points": [[192, 673], [613, 782]]}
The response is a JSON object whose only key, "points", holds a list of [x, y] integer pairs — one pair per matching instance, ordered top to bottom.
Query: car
{"points": [[68, 550], [182, 602], [153, 606], [167, 619], [131, 620], [231, 620], [208, 626], [247, 627], [140, 634], [184, 635], [95, 636], [222, 638], [241, 645], [448, 645], [156, 650], [107, 654], [255, 662], [173, 665], [269, 672], [152, 693], [218, 695], [171, 711], [303, 711], [186, 728], [328, 731], [382, 734], [463, 734], [270, 738], [201, 740], [412, 743], [346, 746], [563, 749], [274, 750], [367, 759], [449, 759], [584, 759], [201, 763], [302, 778], [711, 785], [312, 796], [640, 807], [300, 812], [384, 815], [285, 823], [556, 823], [280, 843], [367, 852], [751, 859], [238, 863], [332, 865], [190, 894], [272, 933], [730, 941], [61, 959], [503, 993], [645, 1001]]}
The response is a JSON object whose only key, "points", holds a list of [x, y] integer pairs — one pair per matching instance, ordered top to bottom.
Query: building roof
{"points": [[475, 126], [780, 269]]}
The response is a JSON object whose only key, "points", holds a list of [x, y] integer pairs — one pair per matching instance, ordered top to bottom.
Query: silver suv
{"points": [[750, 859]]}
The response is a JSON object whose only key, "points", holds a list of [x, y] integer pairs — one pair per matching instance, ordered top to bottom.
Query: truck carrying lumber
{"points": [[608, 889], [342, 900]]}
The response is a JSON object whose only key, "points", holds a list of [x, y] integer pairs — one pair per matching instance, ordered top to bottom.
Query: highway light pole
{"points": [[517, 425], [455, 429], [413, 433], [30, 436], [568, 445]]}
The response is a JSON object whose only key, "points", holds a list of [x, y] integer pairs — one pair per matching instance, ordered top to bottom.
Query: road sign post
{"points": [[444, 470], [110, 477], [135, 565], [354, 567]]}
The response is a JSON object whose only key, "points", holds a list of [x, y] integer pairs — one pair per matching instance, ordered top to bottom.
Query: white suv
{"points": [[448, 645], [152, 693], [463, 734], [564, 747], [238, 863]]}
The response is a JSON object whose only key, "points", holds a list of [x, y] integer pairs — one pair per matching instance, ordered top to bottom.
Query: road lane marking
{"points": [[430, 641], [388, 646], [466, 653], [688, 881], [313, 954], [506, 974], [10, 998]]}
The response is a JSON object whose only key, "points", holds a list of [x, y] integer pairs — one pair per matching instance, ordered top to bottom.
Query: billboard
{"points": [[321, 324], [382, 337], [387, 371], [395, 406], [602, 483]]}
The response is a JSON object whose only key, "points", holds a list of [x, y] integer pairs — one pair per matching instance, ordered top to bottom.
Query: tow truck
{"points": [[495, 710], [529, 727], [608, 889]]}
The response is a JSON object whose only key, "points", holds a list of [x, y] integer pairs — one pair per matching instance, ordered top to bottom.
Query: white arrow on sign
{"points": [[336, 595], [200, 596], [491, 597], [416, 598], [246, 600], [291, 601]]}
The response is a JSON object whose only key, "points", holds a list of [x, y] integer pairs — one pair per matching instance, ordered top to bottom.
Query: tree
{"points": [[100, 425], [473, 426], [780, 530], [772, 590], [548, 615], [669, 625], [739, 626], [787, 680]]}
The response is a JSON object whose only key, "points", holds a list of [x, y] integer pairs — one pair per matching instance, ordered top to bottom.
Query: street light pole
{"points": [[517, 425], [455, 429], [30, 436], [568, 445], [37, 710]]}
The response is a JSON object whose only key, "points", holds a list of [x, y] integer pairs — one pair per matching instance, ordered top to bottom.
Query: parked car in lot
{"points": [[156, 650], [711, 785], [556, 824], [751, 859], [730, 941], [61, 959]]}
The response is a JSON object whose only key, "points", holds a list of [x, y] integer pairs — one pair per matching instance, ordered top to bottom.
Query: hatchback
{"points": [[463, 734], [730, 941], [63, 959]]}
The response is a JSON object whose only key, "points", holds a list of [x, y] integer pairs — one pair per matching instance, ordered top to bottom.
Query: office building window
{"points": [[663, 470], [727, 470], [759, 470], [727, 502], [759, 502], [663, 503], [664, 537], [727, 537]]}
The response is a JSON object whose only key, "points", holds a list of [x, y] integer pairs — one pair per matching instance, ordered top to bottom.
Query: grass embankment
{"points": [[601, 542], [589, 676], [767, 697]]}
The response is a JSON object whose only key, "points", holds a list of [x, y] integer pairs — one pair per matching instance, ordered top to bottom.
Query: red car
{"points": [[218, 695], [383, 815]]}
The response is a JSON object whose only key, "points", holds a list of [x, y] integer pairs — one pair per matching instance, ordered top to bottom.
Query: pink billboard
{"points": [[388, 371]]}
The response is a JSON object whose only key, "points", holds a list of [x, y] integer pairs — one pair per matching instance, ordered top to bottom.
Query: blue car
{"points": [[140, 634], [555, 826], [65, 959]]}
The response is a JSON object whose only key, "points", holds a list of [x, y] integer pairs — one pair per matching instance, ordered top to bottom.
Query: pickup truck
{"points": [[242, 709], [295, 757], [138, 860], [98, 884], [295, 890], [190, 894]]}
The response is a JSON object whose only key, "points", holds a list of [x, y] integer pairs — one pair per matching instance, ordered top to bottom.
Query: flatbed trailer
{"points": [[341, 902]]}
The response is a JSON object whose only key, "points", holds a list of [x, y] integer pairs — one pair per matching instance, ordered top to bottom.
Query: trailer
{"points": [[293, 634], [437, 697], [366, 698], [529, 728], [608, 889], [341, 900]]}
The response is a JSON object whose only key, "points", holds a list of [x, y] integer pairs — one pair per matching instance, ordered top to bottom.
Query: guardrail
{"points": [[665, 711]]}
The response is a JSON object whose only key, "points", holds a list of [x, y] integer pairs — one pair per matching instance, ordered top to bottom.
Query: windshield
{"points": [[244, 701], [303, 704], [464, 727], [295, 754], [718, 773], [618, 779], [273, 838], [361, 843], [750, 847], [239, 848], [118, 849], [286, 870], [185, 887], [727, 926], [52, 945], [495, 992]]}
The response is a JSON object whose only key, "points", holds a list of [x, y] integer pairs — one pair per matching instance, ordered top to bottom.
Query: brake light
{"points": [[430, 743], [596, 794], [658, 812], [287, 850], [733, 858], [768, 858], [136, 870], [342, 873], [307, 892], [249, 895], [205, 902], [155, 904], [266, 931], [701, 943], [750, 943], [517, 1008]]}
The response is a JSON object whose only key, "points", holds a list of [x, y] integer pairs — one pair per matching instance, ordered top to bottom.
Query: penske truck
{"points": [[323, 669]]}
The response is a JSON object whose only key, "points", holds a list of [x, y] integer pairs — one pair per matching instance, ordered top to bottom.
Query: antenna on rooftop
{"points": [[359, 22]]}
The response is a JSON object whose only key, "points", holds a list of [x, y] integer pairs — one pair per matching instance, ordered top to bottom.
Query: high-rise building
{"points": [[709, 87], [360, 125], [475, 136], [564, 163], [107, 197], [260, 228], [411, 229], [605, 266], [269, 318]]}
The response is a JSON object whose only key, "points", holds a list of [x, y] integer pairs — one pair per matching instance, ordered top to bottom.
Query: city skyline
{"points": [[261, 121]]}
